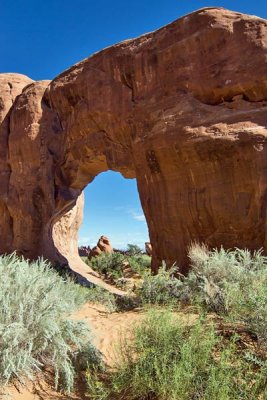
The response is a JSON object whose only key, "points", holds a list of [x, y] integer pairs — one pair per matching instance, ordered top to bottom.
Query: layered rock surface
{"points": [[182, 109]]}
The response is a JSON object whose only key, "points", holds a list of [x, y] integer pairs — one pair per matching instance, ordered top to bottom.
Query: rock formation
{"points": [[181, 109], [65, 230], [103, 246], [148, 248], [84, 251]]}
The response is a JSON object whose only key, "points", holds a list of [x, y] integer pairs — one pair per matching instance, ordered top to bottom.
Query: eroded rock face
{"points": [[11, 85], [182, 109], [65, 230]]}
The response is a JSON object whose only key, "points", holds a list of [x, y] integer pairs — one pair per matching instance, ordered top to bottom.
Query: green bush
{"points": [[133, 250], [140, 263], [109, 264], [222, 265], [231, 282], [161, 289], [98, 295], [112, 302], [247, 303], [36, 330], [167, 360]]}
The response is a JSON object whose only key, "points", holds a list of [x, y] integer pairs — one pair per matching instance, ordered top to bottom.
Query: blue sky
{"points": [[41, 38], [112, 208]]}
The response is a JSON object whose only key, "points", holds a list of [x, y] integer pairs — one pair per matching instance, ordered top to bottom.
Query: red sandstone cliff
{"points": [[182, 109]]}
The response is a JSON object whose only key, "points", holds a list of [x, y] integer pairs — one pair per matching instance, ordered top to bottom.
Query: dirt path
{"points": [[107, 328]]}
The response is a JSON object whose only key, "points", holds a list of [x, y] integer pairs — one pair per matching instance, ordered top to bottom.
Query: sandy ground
{"points": [[107, 329]]}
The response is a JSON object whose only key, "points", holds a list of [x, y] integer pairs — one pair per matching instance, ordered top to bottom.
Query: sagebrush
{"points": [[111, 265], [232, 283], [160, 289], [36, 329], [169, 360]]}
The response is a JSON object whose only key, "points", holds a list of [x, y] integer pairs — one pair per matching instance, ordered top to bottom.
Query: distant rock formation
{"points": [[181, 109], [103, 246], [84, 251]]}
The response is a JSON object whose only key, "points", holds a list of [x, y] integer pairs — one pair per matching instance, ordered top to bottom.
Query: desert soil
{"points": [[107, 329]]}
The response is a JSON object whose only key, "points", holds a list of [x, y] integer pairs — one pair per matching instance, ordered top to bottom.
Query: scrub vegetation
{"points": [[36, 328], [220, 354], [169, 360]]}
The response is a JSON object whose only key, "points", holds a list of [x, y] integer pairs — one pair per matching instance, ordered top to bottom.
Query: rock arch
{"points": [[182, 109]]}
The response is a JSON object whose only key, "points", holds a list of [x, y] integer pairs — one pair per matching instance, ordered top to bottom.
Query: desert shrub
{"points": [[133, 250], [140, 263], [109, 264], [222, 265], [231, 282], [161, 289], [200, 291], [98, 295], [112, 302], [127, 302], [247, 302], [36, 330], [88, 357], [167, 360], [97, 386]]}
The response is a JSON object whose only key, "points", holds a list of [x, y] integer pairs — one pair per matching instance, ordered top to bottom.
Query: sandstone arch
{"points": [[182, 109]]}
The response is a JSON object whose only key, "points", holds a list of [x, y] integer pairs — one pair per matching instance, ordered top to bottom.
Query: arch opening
{"points": [[112, 208]]}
